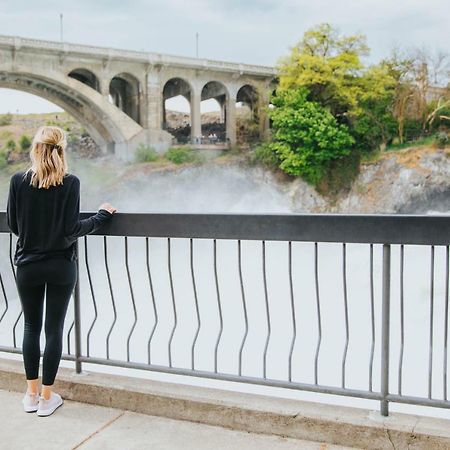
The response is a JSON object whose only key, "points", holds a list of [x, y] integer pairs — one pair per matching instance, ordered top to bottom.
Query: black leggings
{"points": [[59, 275]]}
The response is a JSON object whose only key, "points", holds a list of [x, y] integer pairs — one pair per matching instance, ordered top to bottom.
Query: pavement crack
{"points": [[107, 424], [412, 436], [389, 437]]}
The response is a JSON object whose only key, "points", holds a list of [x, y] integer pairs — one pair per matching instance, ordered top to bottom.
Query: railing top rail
{"points": [[135, 55], [351, 228]]}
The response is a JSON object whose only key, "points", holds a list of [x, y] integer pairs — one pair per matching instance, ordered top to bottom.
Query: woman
{"points": [[43, 211]]}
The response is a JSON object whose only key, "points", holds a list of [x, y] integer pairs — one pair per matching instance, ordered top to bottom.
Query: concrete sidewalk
{"points": [[178, 415], [77, 425]]}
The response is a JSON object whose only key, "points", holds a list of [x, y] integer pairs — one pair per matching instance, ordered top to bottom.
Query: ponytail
{"points": [[49, 165]]}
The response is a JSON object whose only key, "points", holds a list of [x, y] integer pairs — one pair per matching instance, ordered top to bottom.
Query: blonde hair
{"points": [[49, 164]]}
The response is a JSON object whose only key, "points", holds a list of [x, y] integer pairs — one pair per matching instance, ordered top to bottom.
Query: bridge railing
{"points": [[24, 43], [352, 305]]}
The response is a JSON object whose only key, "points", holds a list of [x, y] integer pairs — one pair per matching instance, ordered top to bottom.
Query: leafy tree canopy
{"points": [[329, 65], [306, 135]]}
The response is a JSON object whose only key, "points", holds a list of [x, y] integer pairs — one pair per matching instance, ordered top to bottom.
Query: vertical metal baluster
{"points": [[105, 248], [147, 252], [191, 253], [11, 262], [447, 275], [15, 280], [344, 280], [92, 294], [5, 297], [132, 298], [173, 303], [218, 305], [243, 305], [267, 305], [292, 310], [77, 314], [372, 316], [73, 321], [319, 321], [385, 321], [402, 321], [68, 335], [430, 360]]}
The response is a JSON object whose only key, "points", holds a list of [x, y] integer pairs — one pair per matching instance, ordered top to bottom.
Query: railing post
{"points": [[385, 320], [77, 321]]}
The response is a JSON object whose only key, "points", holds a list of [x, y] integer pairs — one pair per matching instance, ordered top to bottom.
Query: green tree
{"points": [[329, 65], [400, 69], [416, 72], [372, 122], [306, 136]]}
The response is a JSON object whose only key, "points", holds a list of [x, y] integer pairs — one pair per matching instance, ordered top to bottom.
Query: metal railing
{"points": [[194, 292]]}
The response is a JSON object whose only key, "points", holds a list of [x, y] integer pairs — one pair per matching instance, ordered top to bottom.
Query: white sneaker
{"points": [[30, 402], [47, 407]]}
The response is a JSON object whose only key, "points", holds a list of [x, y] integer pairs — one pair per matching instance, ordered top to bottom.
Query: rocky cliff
{"points": [[414, 180]]}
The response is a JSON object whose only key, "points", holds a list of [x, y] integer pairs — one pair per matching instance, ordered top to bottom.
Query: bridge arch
{"points": [[86, 77], [177, 87], [124, 91], [218, 91], [248, 95], [105, 123], [249, 128]]}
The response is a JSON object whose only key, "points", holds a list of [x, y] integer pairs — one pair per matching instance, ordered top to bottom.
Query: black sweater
{"points": [[47, 221]]}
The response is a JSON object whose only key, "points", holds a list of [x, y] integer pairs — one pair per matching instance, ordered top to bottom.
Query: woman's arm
{"points": [[11, 217], [73, 226]]}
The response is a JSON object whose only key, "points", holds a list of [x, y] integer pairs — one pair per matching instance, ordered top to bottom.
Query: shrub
{"points": [[5, 119], [442, 139], [25, 142], [11, 144], [144, 153], [180, 155], [265, 155]]}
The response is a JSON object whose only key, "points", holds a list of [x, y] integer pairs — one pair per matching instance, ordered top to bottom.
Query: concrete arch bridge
{"points": [[119, 96]]}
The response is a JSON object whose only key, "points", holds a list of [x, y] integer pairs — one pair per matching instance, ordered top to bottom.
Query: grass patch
{"points": [[5, 119], [6, 134], [429, 140], [145, 153], [180, 155], [371, 157]]}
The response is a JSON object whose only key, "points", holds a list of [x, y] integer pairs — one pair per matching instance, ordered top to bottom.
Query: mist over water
{"points": [[205, 188], [221, 301]]}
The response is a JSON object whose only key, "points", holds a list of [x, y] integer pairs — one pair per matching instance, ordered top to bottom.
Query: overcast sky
{"points": [[249, 31]]}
